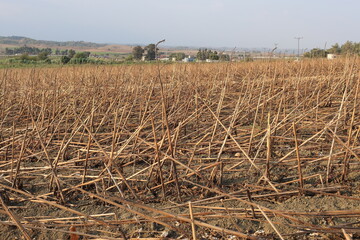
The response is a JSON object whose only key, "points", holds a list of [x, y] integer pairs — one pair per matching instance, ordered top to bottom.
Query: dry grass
{"points": [[118, 151]]}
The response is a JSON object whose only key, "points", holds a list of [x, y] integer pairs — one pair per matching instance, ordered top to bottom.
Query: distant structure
{"points": [[298, 40], [331, 56], [164, 59], [189, 59], [210, 60]]}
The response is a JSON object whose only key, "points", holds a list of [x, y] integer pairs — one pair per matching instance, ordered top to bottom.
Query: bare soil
{"points": [[261, 150]]}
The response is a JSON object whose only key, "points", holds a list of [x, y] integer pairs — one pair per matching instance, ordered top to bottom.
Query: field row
{"points": [[267, 149]]}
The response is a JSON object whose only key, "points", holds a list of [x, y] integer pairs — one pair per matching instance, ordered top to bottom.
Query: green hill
{"points": [[20, 41]]}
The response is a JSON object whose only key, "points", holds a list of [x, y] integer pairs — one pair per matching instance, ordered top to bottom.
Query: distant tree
{"points": [[346, 47], [350, 48], [357, 48], [335, 49], [22, 50], [47, 50], [9, 51], [57, 52], [64, 52], [137, 52], [150, 52], [71, 53], [316, 53], [204, 54], [43, 55], [82, 55], [213, 55], [178, 56], [224, 57], [25, 58], [129, 58], [248, 58], [65, 59], [75, 60]]}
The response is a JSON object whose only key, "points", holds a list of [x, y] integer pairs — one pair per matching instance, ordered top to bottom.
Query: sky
{"points": [[195, 23]]}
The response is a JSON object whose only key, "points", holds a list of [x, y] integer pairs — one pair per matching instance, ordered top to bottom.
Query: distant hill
{"points": [[17, 40]]}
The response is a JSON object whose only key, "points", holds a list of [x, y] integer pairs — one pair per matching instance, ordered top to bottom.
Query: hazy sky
{"points": [[216, 23]]}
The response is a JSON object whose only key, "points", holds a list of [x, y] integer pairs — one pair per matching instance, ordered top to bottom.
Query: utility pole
{"points": [[298, 38], [276, 45], [156, 47], [273, 50], [232, 53]]}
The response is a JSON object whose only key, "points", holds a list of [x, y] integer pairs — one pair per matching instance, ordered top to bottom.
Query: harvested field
{"points": [[261, 150]]}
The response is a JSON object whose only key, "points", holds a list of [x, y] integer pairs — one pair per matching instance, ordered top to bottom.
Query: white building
{"points": [[331, 56], [164, 59], [188, 59]]}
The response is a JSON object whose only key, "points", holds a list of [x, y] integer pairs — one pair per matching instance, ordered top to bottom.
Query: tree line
{"points": [[18, 40], [344, 49], [27, 50], [35, 51], [149, 52], [204, 54], [43, 55], [74, 57]]}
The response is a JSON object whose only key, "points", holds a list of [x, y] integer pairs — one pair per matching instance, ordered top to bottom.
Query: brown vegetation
{"points": [[261, 150]]}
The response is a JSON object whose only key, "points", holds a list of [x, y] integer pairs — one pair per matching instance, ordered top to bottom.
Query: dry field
{"points": [[263, 150]]}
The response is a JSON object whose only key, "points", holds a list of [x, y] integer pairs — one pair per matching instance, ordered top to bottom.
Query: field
{"points": [[258, 150]]}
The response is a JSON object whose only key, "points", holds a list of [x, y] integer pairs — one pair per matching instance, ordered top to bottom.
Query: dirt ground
{"points": [[220, 151]]}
